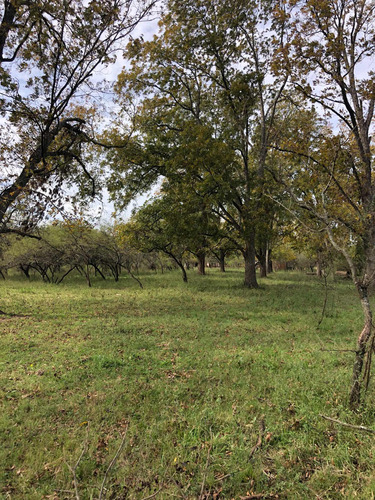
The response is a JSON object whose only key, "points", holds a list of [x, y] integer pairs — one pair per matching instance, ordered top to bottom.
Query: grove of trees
{"points": [[252, 119]]}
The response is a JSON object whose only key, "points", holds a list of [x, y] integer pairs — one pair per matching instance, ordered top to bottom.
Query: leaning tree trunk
{"points": [[248, 253], [180, 265], [25, 270], [184, 275], [87, 276], [365, 342], [363, 351]]}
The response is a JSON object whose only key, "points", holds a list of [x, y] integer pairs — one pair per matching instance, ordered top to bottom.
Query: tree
{"points": [[332, 44], [49, 53], [203, 91], [157, 227], [221, 246], [45, 256]]}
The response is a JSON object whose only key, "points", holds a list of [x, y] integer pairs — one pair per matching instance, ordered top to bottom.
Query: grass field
{"points": [[193, 376]]}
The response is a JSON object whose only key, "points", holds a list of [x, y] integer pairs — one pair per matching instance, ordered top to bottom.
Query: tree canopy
{"points": [[50, 55]]}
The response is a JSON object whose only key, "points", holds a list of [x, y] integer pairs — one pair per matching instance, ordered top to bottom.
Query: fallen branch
{"points": [[350, 426], [258, 444], [113, 461]]}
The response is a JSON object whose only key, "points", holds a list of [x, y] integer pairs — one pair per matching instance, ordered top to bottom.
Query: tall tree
{"points": [[333, 43], [49, 54], [205, 76]]}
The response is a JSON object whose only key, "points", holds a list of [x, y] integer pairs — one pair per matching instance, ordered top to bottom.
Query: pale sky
{"points": [[146, 29]]}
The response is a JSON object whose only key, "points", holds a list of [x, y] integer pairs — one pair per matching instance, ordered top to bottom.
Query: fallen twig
{"points": [[13, 315], [337, 350], [350, 426], [258, 444], [113, 461], [73, 469], [205, 471], [224, 477], [153, 495], [259, 495]]}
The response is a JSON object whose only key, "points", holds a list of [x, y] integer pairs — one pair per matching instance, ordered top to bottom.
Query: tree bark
{"points": [[248, 252], [262, 257], [221, 260], [269, 261], [201, 263], [161, 265], [180, 265], [319, 265], [318, 269], [25, 270], [97, 270], [65, 275], [184, 275], [87, 276], [365, 342], [364, 346]]}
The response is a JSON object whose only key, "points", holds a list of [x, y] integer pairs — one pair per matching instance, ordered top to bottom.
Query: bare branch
{"points": [[349, 426], [113, 462]]}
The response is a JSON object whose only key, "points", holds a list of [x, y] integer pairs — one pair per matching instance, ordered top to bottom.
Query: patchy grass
{"points": [[192, 371]]}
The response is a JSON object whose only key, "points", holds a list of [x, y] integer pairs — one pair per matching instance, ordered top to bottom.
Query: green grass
{"points": [[191, 370]]}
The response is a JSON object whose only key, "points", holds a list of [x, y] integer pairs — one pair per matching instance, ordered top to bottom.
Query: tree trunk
{"points": [[262, 257], [221, 260], [269, 261], [179, 263], [201, 263], [161, 265], [319, 265], [181, 266], [128, 269], [250, 269], [318, 269], [97, 270], [26, 271], [115, 272], [65, 275], [184, 275], [87, 276], [364, 346]]}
